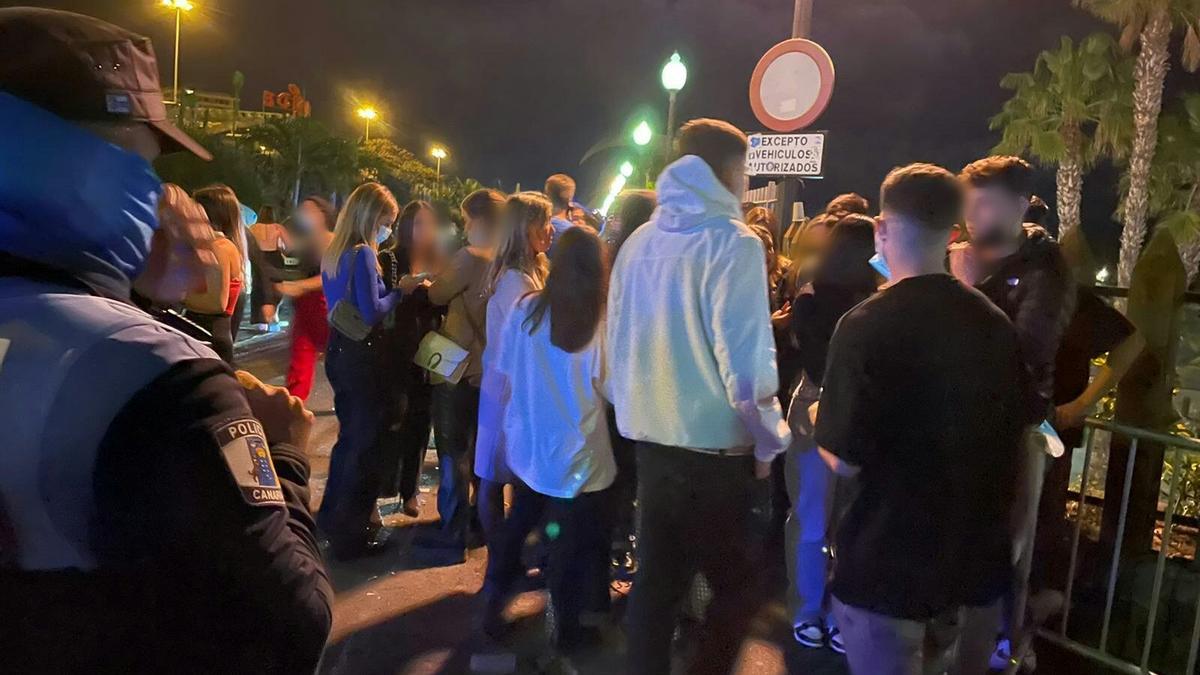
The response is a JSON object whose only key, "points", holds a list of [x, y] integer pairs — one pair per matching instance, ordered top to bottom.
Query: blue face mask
{"points": [[71, 200], [385, 233], [880, 265]]}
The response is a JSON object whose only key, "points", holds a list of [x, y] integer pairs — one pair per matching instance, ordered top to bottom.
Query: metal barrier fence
{"points": [[1179, 447]]}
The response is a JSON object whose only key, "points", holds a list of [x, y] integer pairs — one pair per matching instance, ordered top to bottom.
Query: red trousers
{"points": [[310, 334]]}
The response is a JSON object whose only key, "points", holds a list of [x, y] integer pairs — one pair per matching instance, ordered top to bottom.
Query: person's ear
{"points": [[881, 227]]}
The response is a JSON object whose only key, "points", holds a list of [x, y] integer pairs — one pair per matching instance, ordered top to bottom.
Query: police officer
{"points": [[153, 510]]}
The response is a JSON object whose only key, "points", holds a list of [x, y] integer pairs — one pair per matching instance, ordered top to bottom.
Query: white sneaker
{"points": [[810, 634], [835, 639]]}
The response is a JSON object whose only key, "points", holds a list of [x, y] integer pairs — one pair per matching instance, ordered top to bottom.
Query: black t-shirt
{"points": [[1095, 328], [923, 392]]}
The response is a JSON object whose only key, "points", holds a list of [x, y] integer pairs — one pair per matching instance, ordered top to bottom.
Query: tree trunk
{"points": [[1150, 71], [1069, 179], [1191, 258]]}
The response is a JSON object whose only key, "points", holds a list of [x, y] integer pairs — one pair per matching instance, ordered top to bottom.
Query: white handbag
{"points": [[442, 356]]}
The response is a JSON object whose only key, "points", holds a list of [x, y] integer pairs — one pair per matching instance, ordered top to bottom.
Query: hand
{"points": [[408, 283], [291, 289], [782, 316], [1069, 415], [283, 416], [762, 470]]}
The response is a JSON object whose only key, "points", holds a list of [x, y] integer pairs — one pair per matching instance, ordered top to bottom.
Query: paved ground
{"points": [[406, 612]]}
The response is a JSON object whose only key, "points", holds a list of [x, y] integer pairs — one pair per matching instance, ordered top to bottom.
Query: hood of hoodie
{"points": [[689, 195], [72, 201]]}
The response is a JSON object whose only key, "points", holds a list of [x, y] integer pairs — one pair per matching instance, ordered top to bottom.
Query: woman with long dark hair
{"points": [[314, 223], [412, 249], [350, 273], [842, 278], [212, 308], [557, 437]]}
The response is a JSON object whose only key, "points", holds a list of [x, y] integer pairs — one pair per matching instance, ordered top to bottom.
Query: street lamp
{"points": [[180, 6], [674, 76], [367, 113], [642, 133], [439, 153]]}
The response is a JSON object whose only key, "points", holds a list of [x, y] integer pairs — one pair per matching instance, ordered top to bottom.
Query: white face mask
{"points": [[385, 233]]}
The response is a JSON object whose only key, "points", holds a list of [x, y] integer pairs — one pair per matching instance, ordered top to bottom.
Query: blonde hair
{"points": [[523, 212], [224, 214], [358, 223]]}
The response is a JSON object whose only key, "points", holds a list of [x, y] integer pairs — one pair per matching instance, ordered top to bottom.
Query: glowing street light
{"points": [[180, 6], [674, 76], [367, 113], [642, 133], [439, 153], [626, 169]]}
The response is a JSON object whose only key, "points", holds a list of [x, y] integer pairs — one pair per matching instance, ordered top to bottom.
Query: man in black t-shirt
{"points": [[923, 402]]}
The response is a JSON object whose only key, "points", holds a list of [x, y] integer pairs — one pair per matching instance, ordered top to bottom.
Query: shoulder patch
{"points": [[244, 447]]}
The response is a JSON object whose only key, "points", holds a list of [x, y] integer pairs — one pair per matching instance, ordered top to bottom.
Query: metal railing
{"points": [[1179, 447]]}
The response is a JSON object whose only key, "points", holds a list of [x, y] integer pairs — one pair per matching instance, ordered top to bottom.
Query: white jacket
{"points": [[690, 349]]}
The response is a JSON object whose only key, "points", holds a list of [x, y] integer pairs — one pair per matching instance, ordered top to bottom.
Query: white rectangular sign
{"points": [[785, 154]]}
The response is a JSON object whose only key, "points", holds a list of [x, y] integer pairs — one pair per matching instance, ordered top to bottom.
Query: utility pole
{"points": [[802, 19], [788, 190]]}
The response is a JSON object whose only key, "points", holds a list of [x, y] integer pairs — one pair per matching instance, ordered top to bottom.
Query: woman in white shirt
{"points": [[519, 267], [556, 436]]}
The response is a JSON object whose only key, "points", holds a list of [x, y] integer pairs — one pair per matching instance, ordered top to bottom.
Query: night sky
{"points": [[519, 89]]}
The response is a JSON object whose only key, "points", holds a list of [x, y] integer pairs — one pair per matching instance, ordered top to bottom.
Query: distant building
{"points": [[221, 113]]}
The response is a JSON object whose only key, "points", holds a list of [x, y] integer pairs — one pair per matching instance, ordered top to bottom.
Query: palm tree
{"points": [[1149, 22], [1071, 94], [298, 152], [1175, 179]]}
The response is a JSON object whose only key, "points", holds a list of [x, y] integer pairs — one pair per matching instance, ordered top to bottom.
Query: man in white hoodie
{"points": [[692, 366]]}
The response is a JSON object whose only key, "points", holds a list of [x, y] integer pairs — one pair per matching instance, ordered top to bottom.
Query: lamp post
{"points": [[180, 6], [674, 76], [367, 113], [439, 153]]}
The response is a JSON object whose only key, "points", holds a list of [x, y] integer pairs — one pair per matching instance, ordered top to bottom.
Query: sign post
{"points": [[799, 155]]}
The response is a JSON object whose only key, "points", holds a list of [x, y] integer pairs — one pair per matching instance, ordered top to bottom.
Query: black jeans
{"points": [[410, 414], [455, 416], [699, 513], [348, 514], [578, 535]]}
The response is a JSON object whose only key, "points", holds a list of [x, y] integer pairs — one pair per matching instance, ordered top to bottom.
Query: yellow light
{"points": [[183, 5], [367, 113], [438, 152]]}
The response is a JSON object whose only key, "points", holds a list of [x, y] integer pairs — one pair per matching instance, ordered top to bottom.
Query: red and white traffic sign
{"points": [[791, 85]]}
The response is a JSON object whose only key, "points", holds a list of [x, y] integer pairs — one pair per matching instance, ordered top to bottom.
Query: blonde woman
{"points": [[520, 268], [350, 272], [212, 305]]}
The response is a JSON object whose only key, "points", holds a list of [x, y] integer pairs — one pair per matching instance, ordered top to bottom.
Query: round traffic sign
{"points": [[791, 85]]}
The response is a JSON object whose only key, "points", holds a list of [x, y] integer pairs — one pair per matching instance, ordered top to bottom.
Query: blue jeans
{"points": [[455, 414], [810, 488], [348, 514]]}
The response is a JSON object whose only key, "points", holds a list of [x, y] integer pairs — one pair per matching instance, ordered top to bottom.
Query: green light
{"points": [[674, 74], [642, 133], [626, 169], [553, 529]]}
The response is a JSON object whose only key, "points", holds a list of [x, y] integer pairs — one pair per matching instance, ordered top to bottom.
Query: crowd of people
{"points": [[894, 383]]}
